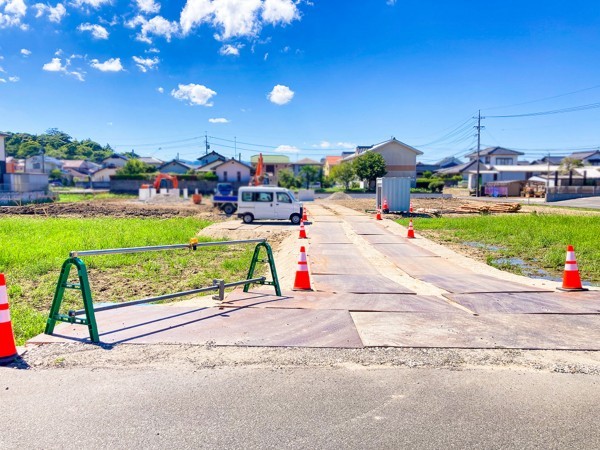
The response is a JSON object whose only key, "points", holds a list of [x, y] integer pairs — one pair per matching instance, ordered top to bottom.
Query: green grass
{"points": [[71, 197], [540, 240], [34, 248]]}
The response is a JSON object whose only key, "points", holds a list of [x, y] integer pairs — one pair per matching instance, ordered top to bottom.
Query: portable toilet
{"points": [[396, 190]]}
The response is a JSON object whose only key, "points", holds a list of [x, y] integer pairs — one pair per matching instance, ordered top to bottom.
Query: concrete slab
{"points": [[368, 228], [384, 239], [402, 252], [463, 282], [359, 284], [345, 301], [530, 302], [240, 326], [455, 330]]}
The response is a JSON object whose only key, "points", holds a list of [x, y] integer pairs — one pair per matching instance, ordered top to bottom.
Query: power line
{"points": [[545, 98], [553, 111]]}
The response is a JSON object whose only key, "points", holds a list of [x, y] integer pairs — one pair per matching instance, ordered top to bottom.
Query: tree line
{"points": [[57, 144]]}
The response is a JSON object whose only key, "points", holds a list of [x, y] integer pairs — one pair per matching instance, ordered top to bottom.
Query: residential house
{"points": [[497, 155], [211, 157], [400, 158], [591, 158], [114, 160], [554, 160], [151, 161], [329, 162], [445, 163], [42, 164], [14, 165], [80, 165], [273, 165], [175, 166], [210, 167], [296, 167], [233, 171], [101, 178]]}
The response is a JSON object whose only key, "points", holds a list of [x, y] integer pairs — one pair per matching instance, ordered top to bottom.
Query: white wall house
{"points": [[400, 158], [114, 161], [42, 164], [176, 167], [233, 171], [103, 175]]}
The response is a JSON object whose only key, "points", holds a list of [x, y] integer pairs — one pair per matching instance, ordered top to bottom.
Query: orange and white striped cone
{"points": [[385, 206], [410, 208], [378, 215], [304, 216], [411, 230], [302, 231], [571, 279], [302, 281], [8, 350]]}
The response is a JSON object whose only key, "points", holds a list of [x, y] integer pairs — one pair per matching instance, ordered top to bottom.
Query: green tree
{"points": [[29, 148], [568, 164], [369, 166], [135, 167], [343, 173], [309, 174], [427, 174], [287, 179]]}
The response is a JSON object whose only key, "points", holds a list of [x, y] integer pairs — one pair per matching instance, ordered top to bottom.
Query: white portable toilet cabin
{"points": [[396, 190]]}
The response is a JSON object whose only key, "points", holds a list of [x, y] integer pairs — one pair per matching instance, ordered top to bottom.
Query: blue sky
{"points": [[304, 78]]}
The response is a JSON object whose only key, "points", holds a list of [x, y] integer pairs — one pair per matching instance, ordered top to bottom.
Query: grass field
{"points": [[66, 197], [527, 244], [33, 250]]}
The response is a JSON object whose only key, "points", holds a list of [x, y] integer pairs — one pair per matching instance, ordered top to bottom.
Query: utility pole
{"points": [[206, 142], [235, 147], [477, 194]]}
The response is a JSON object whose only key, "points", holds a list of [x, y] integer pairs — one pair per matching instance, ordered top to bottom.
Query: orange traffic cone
{"points": [[385, 206], [410, 208], [378, 216], [304, 217], [411, 230], [302, 231], [571, 279], [302, 281], [8, 351]]}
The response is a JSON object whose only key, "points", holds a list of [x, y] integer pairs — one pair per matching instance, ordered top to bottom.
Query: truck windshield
{"points": [[291, 194]]}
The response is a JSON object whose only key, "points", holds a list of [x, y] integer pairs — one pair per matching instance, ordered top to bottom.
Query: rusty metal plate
{"points": [[358, 218], [369, 228], [384, 239], [346, 250], [402, 252], [337, 259], [418, 267], [358, 283], [472, 283], [346, 301], [529, 303], [244, 327], [549, 332]]}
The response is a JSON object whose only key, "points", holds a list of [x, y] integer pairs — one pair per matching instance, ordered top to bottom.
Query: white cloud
{"points": [[391, 2], [93, 3], [148, 6], [14, 11], [279, 11], [55, 14], [236, 18], [157, 26], [98, 31], [152, 50], [231, 50], [25, 52], [266, 56], [145, 64], [56, 65], [110, 65], [2, 70], [13, 79], [2, 80], [161, 90], [196, 94], [280, 95], [218, 120], [323, 144], [345, 145], [287, 149]]}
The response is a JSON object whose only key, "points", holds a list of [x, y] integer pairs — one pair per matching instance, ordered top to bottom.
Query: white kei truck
{"points": [[268, 202]]}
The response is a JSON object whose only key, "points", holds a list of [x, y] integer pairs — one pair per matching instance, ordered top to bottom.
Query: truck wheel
{"points": [[228, 209], [248, 218], [295, 219]]}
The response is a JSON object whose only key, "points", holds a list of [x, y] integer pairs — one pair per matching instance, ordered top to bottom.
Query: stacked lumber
{"points": [[489, 208]]}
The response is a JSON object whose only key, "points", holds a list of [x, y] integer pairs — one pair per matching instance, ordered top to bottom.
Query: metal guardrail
{"points": [[84, 284]]}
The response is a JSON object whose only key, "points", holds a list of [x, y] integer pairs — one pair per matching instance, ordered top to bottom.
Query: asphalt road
{"points": [[268, 407]]}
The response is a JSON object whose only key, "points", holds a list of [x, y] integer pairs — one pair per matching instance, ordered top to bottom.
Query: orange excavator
{"points": [[259, 174], [164, 181]]}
